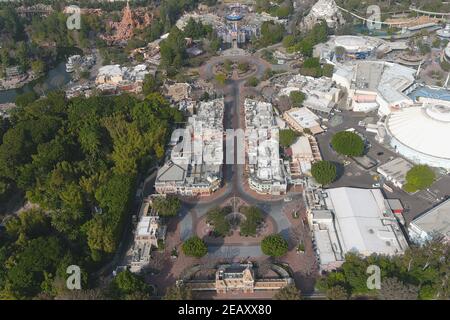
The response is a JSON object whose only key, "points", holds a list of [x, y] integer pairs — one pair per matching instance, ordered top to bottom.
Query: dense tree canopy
{"points": [[271, 33], [305, 42], [297, 98], [287, 137], [348, 143], [77, 160], [324, 172], [419, 177], [168, 206], [217, 217], [253, 218], [274, 245], [194, 247], [420, 273], [129, 286], [178, 292], [289, 292]]}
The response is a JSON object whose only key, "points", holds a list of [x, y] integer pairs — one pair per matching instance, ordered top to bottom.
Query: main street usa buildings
{"points": [[195, 165], [265, 168], [149, 233]]}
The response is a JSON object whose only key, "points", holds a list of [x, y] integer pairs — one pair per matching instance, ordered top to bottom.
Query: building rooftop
{"points": [[304, 117], [396, 169], [436, 220], [362, 222]]}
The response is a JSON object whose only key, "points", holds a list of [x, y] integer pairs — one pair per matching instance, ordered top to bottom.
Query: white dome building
{"points": [[447, 52], [421, 134]]}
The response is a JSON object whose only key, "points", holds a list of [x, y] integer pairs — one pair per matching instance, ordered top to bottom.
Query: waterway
{"points": [[54, 79]]}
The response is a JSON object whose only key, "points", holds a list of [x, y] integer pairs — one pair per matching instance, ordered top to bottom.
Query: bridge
{"points": [[430, 13], [442, 15], [396, 24]]}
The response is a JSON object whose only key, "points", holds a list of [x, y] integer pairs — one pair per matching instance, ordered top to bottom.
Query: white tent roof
{"points": [[423, 129]]}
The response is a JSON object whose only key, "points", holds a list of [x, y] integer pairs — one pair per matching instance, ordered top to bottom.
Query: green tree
{"points": [[173, 50], [243, 66], [38, 67], [221, 78], [252, 81], [151, 84], [297, 98], [25, 99], [287, 137], [348, 143], [324, 172], [419, 177], [168, 206], [217, 217], [253, 218], [274, 245], [194, 247], [129, 286], [394, 289], [178, 292], [289, 292], [337, 293]]}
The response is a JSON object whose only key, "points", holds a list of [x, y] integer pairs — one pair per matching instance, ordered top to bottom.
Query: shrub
{"points": [[252, 82], [297, 98], [274, 245], [194, 247]]}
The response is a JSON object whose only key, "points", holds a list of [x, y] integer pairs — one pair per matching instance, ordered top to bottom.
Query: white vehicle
{"points": [[376, 185]]}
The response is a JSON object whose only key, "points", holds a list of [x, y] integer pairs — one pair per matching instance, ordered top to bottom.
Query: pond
{"points": [[54, 79]]}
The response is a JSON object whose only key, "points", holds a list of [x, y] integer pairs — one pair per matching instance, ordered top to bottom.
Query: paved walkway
{"points": [[233, 251]]}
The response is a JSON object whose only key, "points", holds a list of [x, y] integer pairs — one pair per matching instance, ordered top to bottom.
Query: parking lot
{"points": [[351, 174]]}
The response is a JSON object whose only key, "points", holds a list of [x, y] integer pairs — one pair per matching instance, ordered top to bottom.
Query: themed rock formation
{"points": [[324, 10], [124, 29]]}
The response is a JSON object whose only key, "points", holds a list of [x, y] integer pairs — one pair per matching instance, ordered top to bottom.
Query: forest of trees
{"points": [[78, 161], [421, 273]]}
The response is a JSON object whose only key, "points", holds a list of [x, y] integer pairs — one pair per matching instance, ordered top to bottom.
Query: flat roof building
{"points": [[384, 83], [300, 119], [395, 171], [354, 220], [434, 222]]}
